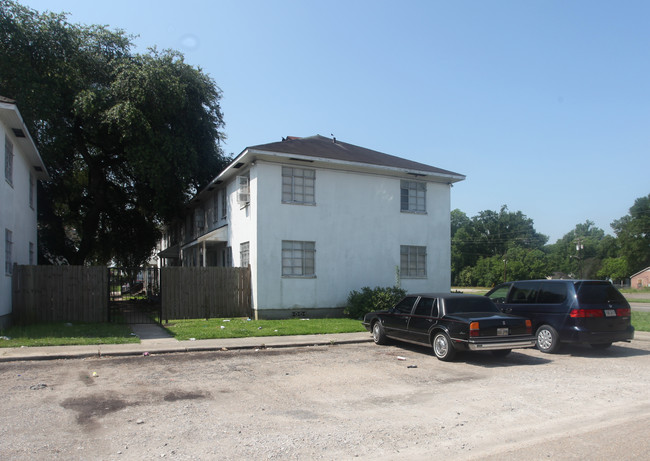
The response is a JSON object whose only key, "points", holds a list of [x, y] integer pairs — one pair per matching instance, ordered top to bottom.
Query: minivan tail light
{"points": [[623, 312], [586, 313], [529, 327], [473, 329]]}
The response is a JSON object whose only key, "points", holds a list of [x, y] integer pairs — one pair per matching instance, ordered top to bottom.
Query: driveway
{"points": [[353, 401]]}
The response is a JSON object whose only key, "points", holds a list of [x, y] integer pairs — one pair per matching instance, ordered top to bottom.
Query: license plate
{"points": [[610, 312], [502, 332]]}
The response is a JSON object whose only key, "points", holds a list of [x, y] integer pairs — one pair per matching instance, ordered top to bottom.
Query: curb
{"points": [[142, 349], [132, 350]]}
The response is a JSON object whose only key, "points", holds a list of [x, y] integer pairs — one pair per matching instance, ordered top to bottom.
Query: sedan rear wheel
{"points": [[378, 333], [442, 347]]}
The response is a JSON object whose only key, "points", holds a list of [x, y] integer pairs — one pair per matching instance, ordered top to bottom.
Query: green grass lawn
{"points": [[641, 321], [241, 327], [62, 334], [66, 334]]}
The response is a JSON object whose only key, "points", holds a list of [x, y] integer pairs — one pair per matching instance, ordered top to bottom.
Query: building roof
{"points": [[10, 116], [330, 148], [640, 272]]}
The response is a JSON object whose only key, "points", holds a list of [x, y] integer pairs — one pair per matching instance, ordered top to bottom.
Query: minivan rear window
{"points": [[598, 293]]}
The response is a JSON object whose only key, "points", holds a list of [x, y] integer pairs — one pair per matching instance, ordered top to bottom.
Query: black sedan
{"points": [[451, 322]]}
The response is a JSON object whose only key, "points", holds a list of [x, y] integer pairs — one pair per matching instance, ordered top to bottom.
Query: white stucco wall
{"points": [[16, 214], [243, 219], [358, 229]]}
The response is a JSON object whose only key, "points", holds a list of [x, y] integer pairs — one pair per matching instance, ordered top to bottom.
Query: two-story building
{"points": [[22, 168], [316, 218]]}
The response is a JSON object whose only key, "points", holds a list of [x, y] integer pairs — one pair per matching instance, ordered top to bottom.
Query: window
{"points": [[9, 161], [298, 185], [31, 189], [243, 192], [413, 196], [224, 204], [215, 208], [199, 219], [31, 253], [244, 254], [226, 257], [298, 258], [413, 261], [9, 267], [524, 292], [552, 293], [500, 294], [405, 306], [426, 308]]}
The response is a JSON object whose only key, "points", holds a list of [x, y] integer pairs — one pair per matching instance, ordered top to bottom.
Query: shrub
{"points": [[368, 300]]}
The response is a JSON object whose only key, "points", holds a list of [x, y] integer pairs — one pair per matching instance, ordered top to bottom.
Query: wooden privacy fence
{"points": [[205, 292], [43, 294]]}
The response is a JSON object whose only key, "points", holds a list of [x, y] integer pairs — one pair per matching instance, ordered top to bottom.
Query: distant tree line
{"points": [[495, 246]]}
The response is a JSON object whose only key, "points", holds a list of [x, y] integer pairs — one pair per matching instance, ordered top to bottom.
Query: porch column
{"points": [[203, 263]]}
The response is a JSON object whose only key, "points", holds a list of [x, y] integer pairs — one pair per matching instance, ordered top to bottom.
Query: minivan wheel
{"points": [[378, 333], [548, 340], [442, 347]]}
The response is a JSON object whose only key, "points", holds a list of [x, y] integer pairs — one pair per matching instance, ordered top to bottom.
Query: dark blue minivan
{"points": [[568, 311]]}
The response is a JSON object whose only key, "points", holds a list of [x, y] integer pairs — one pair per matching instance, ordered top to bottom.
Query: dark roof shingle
{"points": [[320, 146]]}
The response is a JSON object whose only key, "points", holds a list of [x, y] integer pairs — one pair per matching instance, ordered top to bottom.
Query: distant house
{"points": [[22, 168], [316, 218], [641, 279]]}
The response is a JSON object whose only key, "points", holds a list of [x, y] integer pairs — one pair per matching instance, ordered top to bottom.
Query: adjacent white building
{"points": [[22, 168], [317, 218]]}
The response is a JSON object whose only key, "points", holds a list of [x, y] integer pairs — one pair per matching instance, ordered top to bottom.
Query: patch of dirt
{"points": [[329, 403]]}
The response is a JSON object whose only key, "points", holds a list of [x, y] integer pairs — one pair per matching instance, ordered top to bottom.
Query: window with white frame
{"points": [[9, 161], [298, 185], [243, 190], [413, 196], [224, 203], [215, 208], [244, 254], [298, 258], [413, 261], [9, 267]]}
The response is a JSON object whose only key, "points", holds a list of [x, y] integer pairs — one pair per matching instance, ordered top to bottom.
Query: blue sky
{"points": [[543, 105]]}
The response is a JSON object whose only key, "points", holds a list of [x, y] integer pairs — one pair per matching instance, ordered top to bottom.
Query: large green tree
{"points": [[127, 138], [633, 233], [491, 235], [581, 251]]}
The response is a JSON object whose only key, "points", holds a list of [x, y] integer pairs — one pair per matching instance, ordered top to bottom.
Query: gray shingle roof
{"points": [[320, 146]]}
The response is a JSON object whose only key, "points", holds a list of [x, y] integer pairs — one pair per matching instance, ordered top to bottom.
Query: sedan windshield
{"points": [[460, 305]]}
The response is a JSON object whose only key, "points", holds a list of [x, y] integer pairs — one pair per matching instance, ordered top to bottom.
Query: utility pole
{"points": [[579, 247]]}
